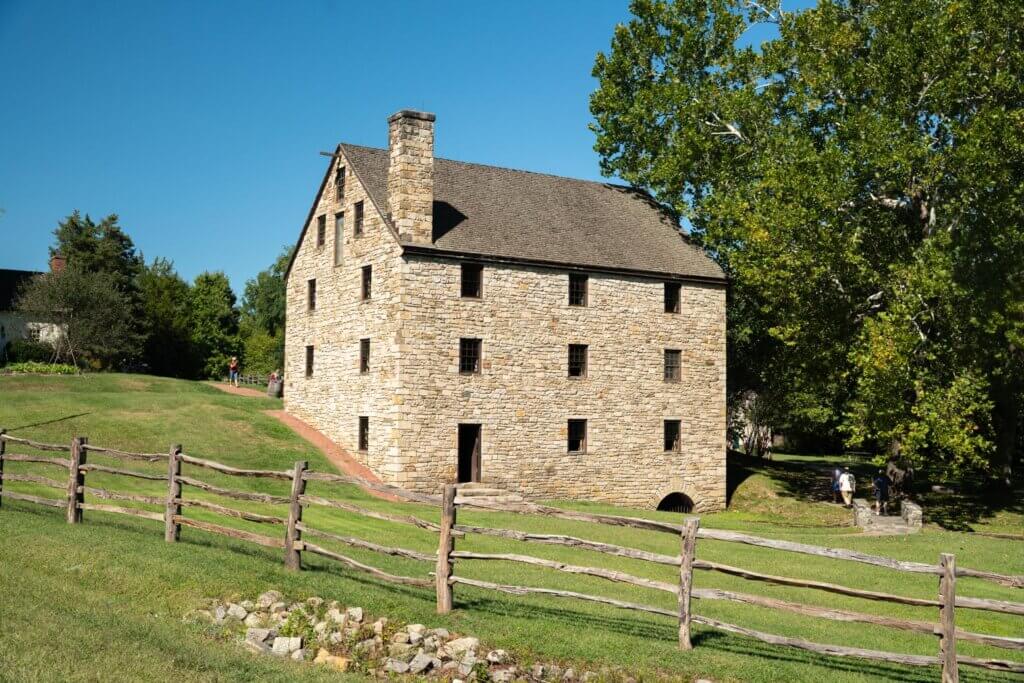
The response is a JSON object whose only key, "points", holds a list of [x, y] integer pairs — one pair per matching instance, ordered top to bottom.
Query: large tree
{"points": [[860, 177], [166, 300], [93, 315], [213, 323]]}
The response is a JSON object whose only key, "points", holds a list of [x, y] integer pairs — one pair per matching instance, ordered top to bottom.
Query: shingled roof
{"points": [[488, 211]]}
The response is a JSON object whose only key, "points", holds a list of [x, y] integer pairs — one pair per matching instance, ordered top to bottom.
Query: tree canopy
{"points": [[860, 178]]}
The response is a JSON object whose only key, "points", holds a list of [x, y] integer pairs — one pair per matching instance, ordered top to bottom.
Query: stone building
{"points": [[560, 338]]}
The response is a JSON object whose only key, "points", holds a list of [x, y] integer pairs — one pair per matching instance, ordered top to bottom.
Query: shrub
{"points": [[26, 350], [37, 368]]}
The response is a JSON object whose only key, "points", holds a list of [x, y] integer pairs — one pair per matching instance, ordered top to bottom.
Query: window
{"points": [[339, 182], [358, 225], [321, 230], [339, 236], [472, 280], [367, 287], [577, 290], [311, 295], [672, 297], [34, 333], [364, 356], [469, 356], [577, 360], [309, 361], [673, 365], [672, 429], [364, 433], [577, 436]]}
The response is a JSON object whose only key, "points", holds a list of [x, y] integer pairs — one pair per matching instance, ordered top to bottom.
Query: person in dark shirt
{"points": [[881, 493]]}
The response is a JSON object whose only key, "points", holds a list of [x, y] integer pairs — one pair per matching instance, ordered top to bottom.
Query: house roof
{"points": [[489, 211], [10, 280]]}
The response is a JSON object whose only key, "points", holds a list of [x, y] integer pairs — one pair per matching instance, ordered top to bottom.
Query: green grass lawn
{"points": [[103, 600]]}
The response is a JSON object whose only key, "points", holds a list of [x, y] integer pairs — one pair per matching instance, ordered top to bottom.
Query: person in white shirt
{"points": [[847, 485]]}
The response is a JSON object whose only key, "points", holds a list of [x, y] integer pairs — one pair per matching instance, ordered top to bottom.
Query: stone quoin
{"points": [[431, 306]]}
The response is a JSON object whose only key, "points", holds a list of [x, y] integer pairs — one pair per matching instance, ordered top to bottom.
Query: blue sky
{"points": [[200, 123]]}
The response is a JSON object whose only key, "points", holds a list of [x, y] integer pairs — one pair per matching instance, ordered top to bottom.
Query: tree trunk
{"points": [[1007, 420]]}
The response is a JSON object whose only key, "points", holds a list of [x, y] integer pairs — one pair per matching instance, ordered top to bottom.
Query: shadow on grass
{"points": [[48, 422], [807, 482], [958, 511]]}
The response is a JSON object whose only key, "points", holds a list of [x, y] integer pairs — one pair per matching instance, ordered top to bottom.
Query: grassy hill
{"points": [[104, 600]]}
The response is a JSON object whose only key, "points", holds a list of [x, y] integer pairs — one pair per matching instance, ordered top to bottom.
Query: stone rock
{"points": [[267, 599], [314, 602], [247, 605], [278, 608], [237, 612], [219, 613], [355, 614], [337, 616], [255, 619], [378, 626], [320, 628], [416, 628], [441, 633], [258, 635], [400, 637], [335, 638], [415, 638], [430, 644], [367, 645], [460, 645], [286, 646], [255, 647], [399, 649], [299, 655], [497, 657], [326, 658], [421, 663], [466, 665], [396, 666], [537, 671], [554, 672], [503, 675], [569, 675]]}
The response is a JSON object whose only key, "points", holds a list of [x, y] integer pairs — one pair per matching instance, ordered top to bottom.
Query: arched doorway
{"points": [[676, 502]]}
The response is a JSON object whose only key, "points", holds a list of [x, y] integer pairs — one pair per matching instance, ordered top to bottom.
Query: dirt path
{"points": [[237, 391], [338, 456]]}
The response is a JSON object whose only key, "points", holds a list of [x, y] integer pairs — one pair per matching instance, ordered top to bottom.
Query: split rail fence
{"points": [[294, 534]]}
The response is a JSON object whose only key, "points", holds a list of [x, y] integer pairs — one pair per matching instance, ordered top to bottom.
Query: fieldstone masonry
{"points": [[415, 397]]}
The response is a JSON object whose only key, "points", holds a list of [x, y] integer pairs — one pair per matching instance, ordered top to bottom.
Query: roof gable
{"points": [[489, 211]]}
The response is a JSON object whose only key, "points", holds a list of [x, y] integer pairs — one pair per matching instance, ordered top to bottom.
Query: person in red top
{"points": [[233, 371]]}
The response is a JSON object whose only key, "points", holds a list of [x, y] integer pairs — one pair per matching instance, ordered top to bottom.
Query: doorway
{"points": [[469, 452]]}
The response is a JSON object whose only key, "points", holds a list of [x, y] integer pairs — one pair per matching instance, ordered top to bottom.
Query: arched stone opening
{"points": [[676, 502]]}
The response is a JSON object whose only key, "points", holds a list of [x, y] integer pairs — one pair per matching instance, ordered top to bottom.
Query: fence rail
{"points": [[296, 532]]}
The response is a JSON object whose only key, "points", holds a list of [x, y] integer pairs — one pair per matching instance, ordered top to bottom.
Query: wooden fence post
{"points": [[3, 449], [76, 478], [172, 530], [689, 545], [445, 546], [292, 558], [947, 619]]}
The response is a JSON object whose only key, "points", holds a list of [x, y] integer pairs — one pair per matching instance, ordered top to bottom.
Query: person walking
{"points": [[233, 371], [836, 473], [881, 484], [847, 486]]}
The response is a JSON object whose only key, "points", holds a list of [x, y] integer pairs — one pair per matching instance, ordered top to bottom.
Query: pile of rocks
{"points": [[327, 633]]}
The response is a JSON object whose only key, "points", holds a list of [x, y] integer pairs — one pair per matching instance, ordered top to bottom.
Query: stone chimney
{"points": [[411, 174], [57, 263]]}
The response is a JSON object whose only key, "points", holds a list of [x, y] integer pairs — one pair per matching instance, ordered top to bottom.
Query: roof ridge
{"points": [[509, 168]]}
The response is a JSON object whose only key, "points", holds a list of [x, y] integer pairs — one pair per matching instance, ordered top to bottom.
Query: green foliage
{"points": [[860, 178], [104, 247], [165, 301], [263, 304], [94, 315], [213, 322], [26, 350], [262, 354], [37, 368]]}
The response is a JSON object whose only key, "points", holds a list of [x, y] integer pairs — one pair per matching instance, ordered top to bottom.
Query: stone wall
{"points": [[411, 174], [337, 394], [523, 396]]}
